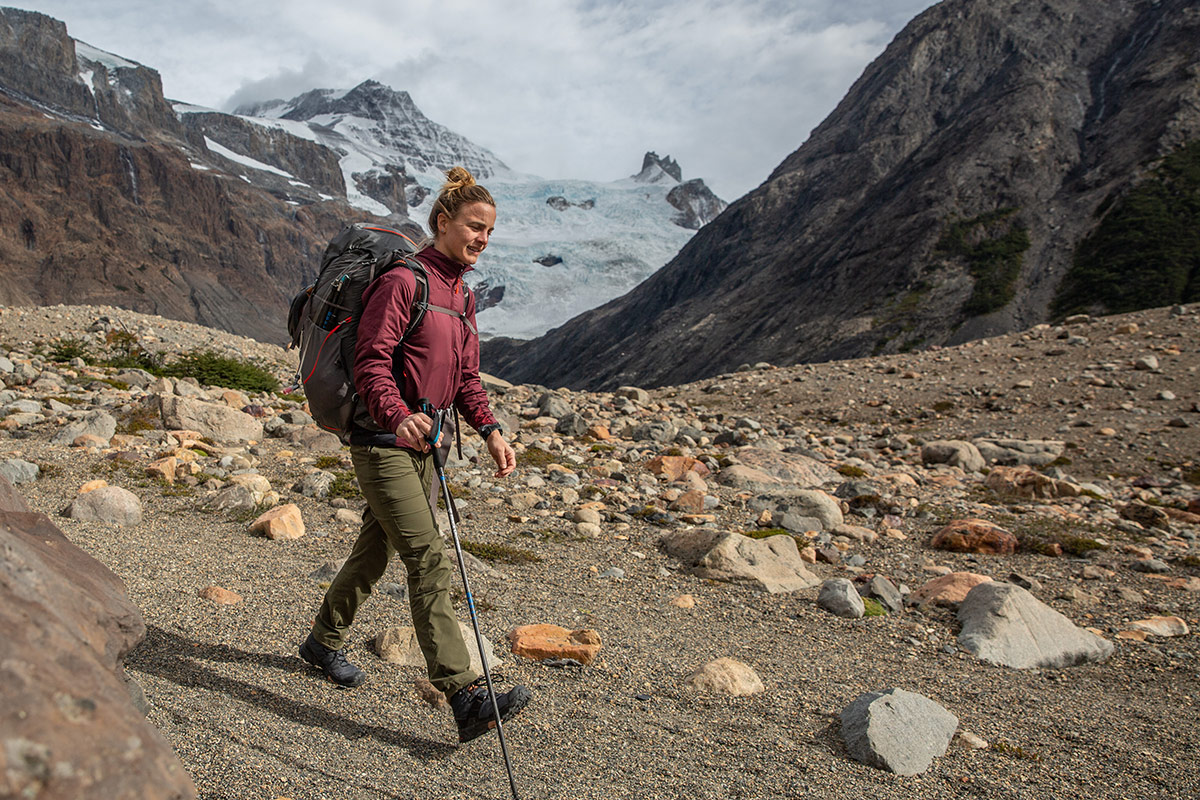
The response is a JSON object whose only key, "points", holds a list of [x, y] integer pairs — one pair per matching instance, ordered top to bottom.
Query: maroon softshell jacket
{"points": [[440, 360]]}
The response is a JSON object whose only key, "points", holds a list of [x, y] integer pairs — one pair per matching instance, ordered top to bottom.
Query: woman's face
{"points": [[465, 237]]}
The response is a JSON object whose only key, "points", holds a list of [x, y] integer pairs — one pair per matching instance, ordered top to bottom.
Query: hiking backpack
{"points": [[323, 320]]}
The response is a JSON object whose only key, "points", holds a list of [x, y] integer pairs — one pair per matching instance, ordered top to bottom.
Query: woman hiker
{"points": [[439, 362]]}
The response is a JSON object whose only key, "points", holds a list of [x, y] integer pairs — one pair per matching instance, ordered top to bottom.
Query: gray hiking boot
{"points": [[332, 662], [473, 708]]}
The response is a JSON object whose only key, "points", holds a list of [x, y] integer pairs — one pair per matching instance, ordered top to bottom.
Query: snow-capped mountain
{"points": [[560, 247]]}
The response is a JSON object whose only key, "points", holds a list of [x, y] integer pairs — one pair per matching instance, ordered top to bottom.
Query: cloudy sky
{"points": [[559, 88]]}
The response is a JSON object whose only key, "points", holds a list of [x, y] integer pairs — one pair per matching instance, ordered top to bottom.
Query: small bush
{"points": [[69, 349], [216, 370], [140, 418], [328, 462], [851, 471], [345, 485], [490, 551], [873, 608], [1015, 751]]}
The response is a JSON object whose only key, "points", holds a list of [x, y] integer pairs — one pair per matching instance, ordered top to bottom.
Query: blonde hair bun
{"points": [[457, 179]]}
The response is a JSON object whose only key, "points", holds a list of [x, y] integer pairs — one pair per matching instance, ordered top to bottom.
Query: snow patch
{"points": [[110, 60], [86, 76], [245, 161]]}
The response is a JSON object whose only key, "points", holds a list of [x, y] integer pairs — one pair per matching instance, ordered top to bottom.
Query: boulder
{"points": [[214, 420], [94, 423], [954, 452], [1017, 452], [675, 467], [17, 470], [784, 472], [1025, 482], [231, 500], [110, 504], [281, 522], [975, 536], [772, 564], [947, 590], [839, 597], [1006, 625], [1161, 626], [550, 641], [399, 645], [726, 676], [71, 728], [897, 730]]}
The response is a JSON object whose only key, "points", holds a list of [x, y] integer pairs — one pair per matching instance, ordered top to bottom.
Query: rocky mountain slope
{"points": [[107, 199], [944, 199], [902, 479]]}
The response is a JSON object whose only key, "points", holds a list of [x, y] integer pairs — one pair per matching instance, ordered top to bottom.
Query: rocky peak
{"points": [[42, 64], [381, 117], [655, 169]]}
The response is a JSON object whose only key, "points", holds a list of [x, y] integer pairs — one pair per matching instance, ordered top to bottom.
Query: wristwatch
{"points": [[486, 430]]}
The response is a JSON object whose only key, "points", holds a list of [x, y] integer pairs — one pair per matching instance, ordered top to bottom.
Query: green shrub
{"points": [[993, 246], [1145, 252], [69, 349], [216, 370], [851, 471], [345, 485], [490, 551], [873, 608]]}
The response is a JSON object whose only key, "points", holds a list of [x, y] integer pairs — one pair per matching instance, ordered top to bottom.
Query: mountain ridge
{"points": [[974, 108]]}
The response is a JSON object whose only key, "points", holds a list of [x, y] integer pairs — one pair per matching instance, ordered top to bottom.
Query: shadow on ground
{"points": [[181, 661]]}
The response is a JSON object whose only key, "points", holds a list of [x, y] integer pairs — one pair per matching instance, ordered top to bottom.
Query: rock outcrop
{"points": [[71, 728]]}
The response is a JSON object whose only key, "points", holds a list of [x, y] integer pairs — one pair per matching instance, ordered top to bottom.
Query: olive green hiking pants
{"points": [[399, 519]]}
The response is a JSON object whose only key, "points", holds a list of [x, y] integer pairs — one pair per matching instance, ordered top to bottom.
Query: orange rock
{"points": [[599, 433], [675, 466], [164, 468], [1026, 482], [99, 483], [689, 503], [1188, 517], [281, 522], [975, 536], [1189, 584], [948, 590], [220, 596], [684, 601], [1133, 636], [551, 641]]}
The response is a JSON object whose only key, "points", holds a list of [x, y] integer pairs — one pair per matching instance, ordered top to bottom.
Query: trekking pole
{"points": [[452, 514]]}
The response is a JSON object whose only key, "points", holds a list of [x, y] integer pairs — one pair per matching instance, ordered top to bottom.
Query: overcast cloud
{"points": [[559, 88]]}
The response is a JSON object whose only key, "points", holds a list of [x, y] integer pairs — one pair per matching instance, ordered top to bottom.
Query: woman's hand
{"points": [[415, 428], [502, 453]]}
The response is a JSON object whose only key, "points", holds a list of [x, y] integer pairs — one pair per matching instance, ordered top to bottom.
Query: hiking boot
{"points": [[332, 662], [473, 708]]}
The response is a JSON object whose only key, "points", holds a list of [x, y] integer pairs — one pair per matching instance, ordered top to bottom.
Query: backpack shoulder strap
{"points": [[420, 296]]}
